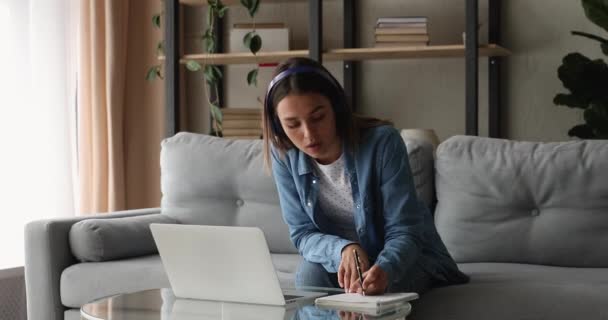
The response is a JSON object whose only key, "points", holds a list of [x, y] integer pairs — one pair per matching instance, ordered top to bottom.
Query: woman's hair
{"points": [[304, 76]]}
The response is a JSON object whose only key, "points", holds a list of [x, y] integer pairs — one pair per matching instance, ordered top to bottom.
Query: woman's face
{"points": [[309, 122]]}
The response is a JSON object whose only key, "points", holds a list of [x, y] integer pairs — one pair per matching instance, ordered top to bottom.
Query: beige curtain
{"points": [[119, 114]]}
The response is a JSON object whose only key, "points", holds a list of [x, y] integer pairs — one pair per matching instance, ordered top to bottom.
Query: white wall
{"points": [[429, 93]]}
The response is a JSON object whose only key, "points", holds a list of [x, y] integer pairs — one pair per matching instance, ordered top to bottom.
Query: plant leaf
{"points": [[246, 3], [255, 4], [222, 12], [597, 12], [156, 20], [247, 38], [255, 44], [160, 48], [605, 48], [193, 65], [153, 72], [217, 72], [210, 75], [252, 77], [585, 78], [570, 100], [216, 113], [596, 117], [581, 131]]}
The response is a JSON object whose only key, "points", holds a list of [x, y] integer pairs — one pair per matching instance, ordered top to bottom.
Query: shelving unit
{"points": [[351, 54]]}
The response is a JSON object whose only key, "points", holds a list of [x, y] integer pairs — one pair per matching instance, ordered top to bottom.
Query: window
{"points": [[35, 119]]}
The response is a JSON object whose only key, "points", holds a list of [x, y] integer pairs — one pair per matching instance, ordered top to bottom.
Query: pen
{"points": [[358, 265]]}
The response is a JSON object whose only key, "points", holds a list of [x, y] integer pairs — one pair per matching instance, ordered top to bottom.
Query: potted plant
{"points": [[587, 80]]}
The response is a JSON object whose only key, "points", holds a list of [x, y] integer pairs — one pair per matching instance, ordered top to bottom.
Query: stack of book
{"points": [[402, 32], [242, 123]]}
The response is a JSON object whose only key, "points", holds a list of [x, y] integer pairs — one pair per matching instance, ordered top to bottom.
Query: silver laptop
{"points": [[223, 264]]}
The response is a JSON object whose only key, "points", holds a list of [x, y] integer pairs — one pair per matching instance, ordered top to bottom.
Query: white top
{"points": [[336, 198]]}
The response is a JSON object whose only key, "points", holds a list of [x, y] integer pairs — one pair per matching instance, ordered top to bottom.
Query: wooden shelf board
{"points": [[229, 2], [349, 54]]}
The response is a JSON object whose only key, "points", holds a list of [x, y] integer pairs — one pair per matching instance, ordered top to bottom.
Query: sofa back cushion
{"points": [[213, 181], [523, 202]]}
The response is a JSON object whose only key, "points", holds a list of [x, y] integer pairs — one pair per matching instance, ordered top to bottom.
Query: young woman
{"points": [[345, 189]]}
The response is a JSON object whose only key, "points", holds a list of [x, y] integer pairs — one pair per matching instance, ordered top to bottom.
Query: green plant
{"points": [[212, 73], [587, 80]]}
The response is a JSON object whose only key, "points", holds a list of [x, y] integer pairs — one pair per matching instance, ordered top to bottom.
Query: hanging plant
{"points": [[212, 73]]}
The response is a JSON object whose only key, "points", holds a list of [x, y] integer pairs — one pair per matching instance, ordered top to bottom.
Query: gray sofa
{"points": [[527, 221]]}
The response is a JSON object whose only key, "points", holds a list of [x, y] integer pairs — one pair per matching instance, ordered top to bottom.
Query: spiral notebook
{"points": [[366, 304]]}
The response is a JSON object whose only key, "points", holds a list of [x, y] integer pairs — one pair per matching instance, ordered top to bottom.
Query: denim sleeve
{"points": [[403, 215], [313, 245]]}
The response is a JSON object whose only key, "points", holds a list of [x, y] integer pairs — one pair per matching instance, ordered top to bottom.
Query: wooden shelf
{"points": [[230, 2], [350, 54]]}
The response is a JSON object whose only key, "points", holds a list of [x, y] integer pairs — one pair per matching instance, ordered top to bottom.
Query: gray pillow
{"points": [[95, 240]]}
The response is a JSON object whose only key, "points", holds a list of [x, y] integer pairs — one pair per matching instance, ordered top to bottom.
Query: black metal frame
{"points": [[315, 46], [350, 68], [472, 68], [494, 68], [172, 83]]}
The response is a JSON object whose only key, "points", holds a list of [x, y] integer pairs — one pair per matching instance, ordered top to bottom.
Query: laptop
{"points": [[221, 263]]}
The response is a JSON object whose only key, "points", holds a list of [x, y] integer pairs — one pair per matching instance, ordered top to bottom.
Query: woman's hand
{"points": [[348, 278], [375, 281]]}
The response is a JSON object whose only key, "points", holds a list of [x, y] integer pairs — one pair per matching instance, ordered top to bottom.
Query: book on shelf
{"points": [[405, 19], [400, 25], [402, 30], [402, 38], [400, 44], [242, 111], [242, 124], [241, 132], [255, 137]]}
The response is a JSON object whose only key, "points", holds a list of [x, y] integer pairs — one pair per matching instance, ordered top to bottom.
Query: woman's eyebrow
{"points": [[295, 118]]}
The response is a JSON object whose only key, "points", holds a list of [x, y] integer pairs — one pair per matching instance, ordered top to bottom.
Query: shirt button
{"points": [[314, 181], [309, 204], [358, 206]]}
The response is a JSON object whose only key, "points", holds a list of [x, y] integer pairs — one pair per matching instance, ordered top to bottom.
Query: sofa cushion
{"points": [[420, 155], [213, 181], [523, 202], [95, 240], [85, 282], [519, 291]]}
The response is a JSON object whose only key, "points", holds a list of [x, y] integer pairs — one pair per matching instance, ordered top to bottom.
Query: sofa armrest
{"points": [[47, 254]]}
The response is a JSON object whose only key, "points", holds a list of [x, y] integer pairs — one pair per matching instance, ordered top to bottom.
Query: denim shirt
{"points": [[394, 228]]}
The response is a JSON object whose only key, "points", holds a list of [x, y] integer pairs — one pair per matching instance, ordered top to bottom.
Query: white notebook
{"points": [[366, 304]]}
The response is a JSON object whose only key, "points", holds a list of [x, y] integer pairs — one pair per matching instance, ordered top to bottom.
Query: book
{"points": [[412, 19], [401, 25], [402, 30], [402, 38], [400, 44], [242, 124], [241, 132], [374, 305]]}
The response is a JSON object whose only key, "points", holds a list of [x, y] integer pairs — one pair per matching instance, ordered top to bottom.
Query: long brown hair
{"points": [[309, 76]]}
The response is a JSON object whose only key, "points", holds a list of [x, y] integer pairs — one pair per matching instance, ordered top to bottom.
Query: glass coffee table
{"points": [[161, 304]]}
